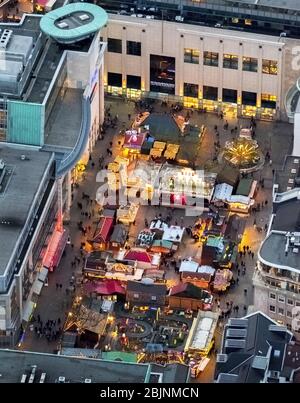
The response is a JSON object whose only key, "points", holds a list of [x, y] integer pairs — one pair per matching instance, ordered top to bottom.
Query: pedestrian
{"points": [[266, 202], [247, 247], [244, 248], [252, 255], [237, 281], [57, 286], [60, 286], [245, 291], [245, 308]]}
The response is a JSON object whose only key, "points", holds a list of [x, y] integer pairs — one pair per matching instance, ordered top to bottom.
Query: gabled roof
{"points": [[103, 230], [138, 254], [153, 289], [188, 290]]}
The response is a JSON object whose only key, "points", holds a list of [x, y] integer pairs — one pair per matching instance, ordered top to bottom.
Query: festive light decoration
{"points": [[242, 153]]}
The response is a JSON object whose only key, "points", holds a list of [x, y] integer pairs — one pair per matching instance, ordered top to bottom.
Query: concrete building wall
{"points": [[170, 39]]}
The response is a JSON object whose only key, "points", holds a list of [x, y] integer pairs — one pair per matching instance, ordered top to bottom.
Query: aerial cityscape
{"points": [[150, 192]]}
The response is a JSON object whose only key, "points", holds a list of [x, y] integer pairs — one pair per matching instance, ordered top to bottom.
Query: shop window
{"points": [[114, 45], [133, 48], [191, 56], [211, 59], [230, 61], [250, 64], [269, 67], [114, 79], [133, 82], [190, 90], [210, 93], [229, 95], [249, 98], [268, 101], [272, 296], [272, 308], [281, 311]]}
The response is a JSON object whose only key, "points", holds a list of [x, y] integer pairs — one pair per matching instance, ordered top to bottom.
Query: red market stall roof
{"points": [[42, 2], [134, 139], [103, 230], [55, 249], [138, 255], [105, 287]]}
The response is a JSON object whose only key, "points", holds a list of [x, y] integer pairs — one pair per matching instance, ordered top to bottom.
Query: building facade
{"points": [[209, 68], [28, 206], [277, 277]]}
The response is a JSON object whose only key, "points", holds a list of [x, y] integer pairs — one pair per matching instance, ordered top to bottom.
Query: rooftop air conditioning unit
{"points": [[222, 357], [61, 379], [87, 380]]}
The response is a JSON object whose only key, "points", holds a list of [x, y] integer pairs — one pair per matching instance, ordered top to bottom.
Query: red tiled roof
{"points": [[103, 229], [139, 255], [109, 287], [180, 287]]}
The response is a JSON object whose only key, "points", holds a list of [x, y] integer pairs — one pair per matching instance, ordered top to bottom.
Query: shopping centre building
{"points": [[237, 66]]}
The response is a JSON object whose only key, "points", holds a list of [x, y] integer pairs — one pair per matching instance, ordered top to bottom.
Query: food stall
{"points": [[127, 214], [102, 233], [222, 280]]}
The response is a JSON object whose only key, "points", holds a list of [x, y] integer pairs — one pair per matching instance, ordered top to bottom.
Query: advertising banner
{"points": [[162, 74]]}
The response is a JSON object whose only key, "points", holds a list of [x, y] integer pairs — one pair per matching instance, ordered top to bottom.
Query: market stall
{"points": [[222, 280]]}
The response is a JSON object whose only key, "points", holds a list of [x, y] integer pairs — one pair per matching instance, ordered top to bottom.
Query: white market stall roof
{"points": [[223, 191], [239, 199], [158, 224], [173, 233], [189, 265], [206, 269], [43, 274], [37, 287], [28, 310], [202, 331]]}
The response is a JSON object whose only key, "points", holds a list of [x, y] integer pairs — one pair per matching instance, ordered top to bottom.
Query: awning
{"points": [[55, 249], [43, 274], [37, 286], [28, 310]]}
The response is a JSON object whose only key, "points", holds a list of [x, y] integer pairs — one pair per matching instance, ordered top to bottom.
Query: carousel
{"points": [[242, 153]]}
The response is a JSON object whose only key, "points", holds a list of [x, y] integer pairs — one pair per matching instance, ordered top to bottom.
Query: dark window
{"points": [[114, 45], [134, 48], [191, 56], [211, 59], [230, 61], [250, 64], [269, 67], [114, 79], [133, 82], [190, 90], [210, 93], [229, 95], [249, 98], [268, 101]]}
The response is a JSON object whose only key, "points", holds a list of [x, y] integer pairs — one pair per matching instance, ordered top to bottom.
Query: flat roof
{"points": [[286, 4], [73, 21], [18, 195], [13, 364]]}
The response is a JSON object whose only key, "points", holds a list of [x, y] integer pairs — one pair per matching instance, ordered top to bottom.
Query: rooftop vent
{"points": [[84, 17], [62, 25], [5, 38], [23, 157], [243, 323], [222, 357], [61, 379], [87, 380]]}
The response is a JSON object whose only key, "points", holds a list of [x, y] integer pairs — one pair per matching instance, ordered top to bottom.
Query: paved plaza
{"points": [[55, 302]]}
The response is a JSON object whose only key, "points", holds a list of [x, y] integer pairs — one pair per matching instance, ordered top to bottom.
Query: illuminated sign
{"points": [[162, 74]]}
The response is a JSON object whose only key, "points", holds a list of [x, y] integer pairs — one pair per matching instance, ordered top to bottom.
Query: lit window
{"points": [[191, 56], [211, 59], [230, 61], [250, 64], [269, 67], [268, 101], [136, 296], [153, 297]]}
